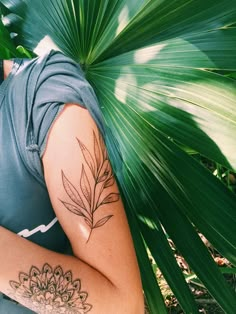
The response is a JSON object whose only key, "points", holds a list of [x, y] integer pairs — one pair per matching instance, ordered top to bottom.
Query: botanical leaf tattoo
{"points": [[97, 152], [87, 156], [85, 186], [71, 191], [91, 194], [112, 197], [72, 208], [102, 221], [50, 291]]}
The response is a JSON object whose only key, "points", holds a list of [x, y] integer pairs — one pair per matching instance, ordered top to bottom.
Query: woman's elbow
{"points": [[133, 303], [138, 306]]}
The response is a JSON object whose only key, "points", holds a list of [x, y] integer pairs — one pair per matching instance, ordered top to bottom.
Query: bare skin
{"points": [[7, 66], [103, 271]]}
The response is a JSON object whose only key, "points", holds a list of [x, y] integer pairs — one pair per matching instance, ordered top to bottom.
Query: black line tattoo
{"points": [[92, 192], [50, 291]]}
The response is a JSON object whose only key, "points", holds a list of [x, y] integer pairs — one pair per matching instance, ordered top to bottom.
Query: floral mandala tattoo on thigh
{"points": [[92, 194], [50, 291]]}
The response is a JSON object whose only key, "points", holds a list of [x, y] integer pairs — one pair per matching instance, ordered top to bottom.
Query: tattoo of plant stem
{"points": [[91, 195]]}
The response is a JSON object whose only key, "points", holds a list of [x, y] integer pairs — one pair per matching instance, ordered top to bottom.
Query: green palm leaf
{"points": [[7, 47], [155, 68]]}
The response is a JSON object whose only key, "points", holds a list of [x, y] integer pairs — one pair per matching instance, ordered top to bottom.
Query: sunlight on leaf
{"points": [[123, 19], [46, 44], [145, 55], [154, 66], [122, 86], [147, 221]]}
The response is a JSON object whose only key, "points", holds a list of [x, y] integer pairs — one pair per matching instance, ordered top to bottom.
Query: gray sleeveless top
{"points": [[30, 99]]}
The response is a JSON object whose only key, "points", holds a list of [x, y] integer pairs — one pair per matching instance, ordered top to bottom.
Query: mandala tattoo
{"points": [[92, 193], [50, 291]]}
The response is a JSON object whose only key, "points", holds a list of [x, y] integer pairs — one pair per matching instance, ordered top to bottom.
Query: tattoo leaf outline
{"points": [[97, 154], [87, 157], [85, 186], [71, 191], [92, 192], [111, 198], [72, 208], [102, 221]]}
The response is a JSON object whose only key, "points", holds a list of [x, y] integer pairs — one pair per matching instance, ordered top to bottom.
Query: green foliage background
{"points": [[158, 68]]}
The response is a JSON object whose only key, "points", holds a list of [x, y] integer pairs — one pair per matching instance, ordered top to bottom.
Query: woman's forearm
{"points": [[49, 282]]}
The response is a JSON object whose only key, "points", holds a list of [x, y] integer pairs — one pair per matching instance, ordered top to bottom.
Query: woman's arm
{"points": [[7, 66], [103, 275]]}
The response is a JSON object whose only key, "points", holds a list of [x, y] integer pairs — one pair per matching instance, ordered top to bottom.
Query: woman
{"points": [[65, 245]]}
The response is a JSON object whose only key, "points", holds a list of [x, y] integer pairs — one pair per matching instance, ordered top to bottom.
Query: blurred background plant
{"points": [[164, 74], [205, 302]]}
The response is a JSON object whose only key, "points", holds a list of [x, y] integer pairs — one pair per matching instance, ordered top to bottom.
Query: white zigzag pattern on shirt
{"points": [[42, 228]]}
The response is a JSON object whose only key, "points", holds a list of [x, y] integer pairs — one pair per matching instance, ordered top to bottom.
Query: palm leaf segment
{"points": [[155, 66]]}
